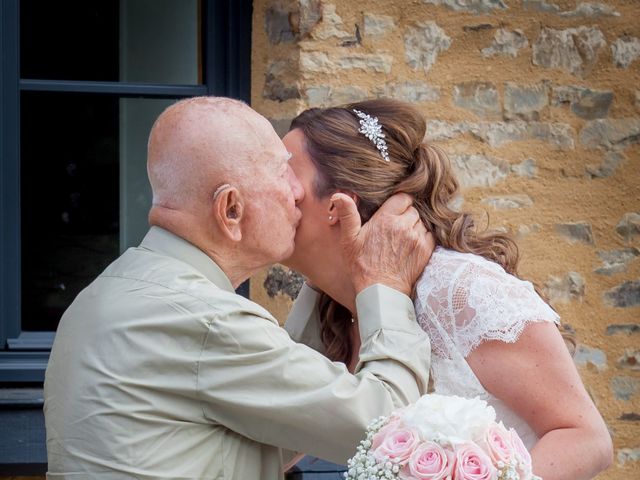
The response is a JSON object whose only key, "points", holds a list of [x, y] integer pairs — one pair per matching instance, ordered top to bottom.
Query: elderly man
{"points": [[159, 370]]}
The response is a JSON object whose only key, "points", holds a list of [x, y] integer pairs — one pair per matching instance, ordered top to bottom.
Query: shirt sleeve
{"points": [[303, 322], [256, 381]]}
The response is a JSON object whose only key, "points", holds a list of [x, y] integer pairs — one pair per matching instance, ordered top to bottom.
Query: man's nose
{"points": [[296, 186]]}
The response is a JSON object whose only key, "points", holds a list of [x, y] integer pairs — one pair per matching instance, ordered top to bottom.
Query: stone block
{"points": [[470, 6], [540, 6], [582, 10], [590, 10], [307, 16], [276, 24], [377, 25], [330, 26], [423, 43], [506, 43], [574, 49], [625, 50], [316, 62], [320, 62], [372, 62], [276, 86], [409, 92], [317, 95], [323, 96], [480, 97], [525, 101], [584, 102], [441, 130], [496, 134], [611, 134], [558, 135], [608, 166], [526, 168], [479, 170], [508, 202], [629, 226], [525, 230], [576, 232], [616, 261], [282, 281], [565, 289], [627, 294], [623, 328], [586, 355], [630, 360], [625, 387], [630, 417], [628, 455]]}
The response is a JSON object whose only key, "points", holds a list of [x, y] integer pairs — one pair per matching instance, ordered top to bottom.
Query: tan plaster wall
{"points": [[561, 190]]}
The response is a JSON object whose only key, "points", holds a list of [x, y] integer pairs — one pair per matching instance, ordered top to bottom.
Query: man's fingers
{"points": [[397, 204], [347, 212], [411, 216], [430, 240]]}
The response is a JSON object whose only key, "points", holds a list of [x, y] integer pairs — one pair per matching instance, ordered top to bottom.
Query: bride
{"points": [[492, 336]]}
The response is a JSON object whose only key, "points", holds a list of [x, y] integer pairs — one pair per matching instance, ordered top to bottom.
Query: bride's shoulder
{"points": [[450, 266]]}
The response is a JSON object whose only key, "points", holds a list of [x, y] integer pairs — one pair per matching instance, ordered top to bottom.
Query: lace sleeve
{"points": [[466, 300]]}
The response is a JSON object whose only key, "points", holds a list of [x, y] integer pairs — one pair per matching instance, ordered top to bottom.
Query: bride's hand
{"points": [[392, 248]]}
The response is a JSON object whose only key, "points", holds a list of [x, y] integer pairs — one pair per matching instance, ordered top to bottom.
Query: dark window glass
{"points": [[70, 40], [151, 41], [69, 199]]}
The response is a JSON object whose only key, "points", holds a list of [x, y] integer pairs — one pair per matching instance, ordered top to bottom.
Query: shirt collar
{"points": [[163, 241]]}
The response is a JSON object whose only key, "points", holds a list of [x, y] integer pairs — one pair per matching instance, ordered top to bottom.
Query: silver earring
{"points": [[330, 217]]}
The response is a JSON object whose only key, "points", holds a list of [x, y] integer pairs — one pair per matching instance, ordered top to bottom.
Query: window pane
{"points": [[70, 40], [155, 41], [136, 119], [69, 199]]}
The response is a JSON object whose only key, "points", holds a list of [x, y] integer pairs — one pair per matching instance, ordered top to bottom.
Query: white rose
{"points": [[450, 419]]}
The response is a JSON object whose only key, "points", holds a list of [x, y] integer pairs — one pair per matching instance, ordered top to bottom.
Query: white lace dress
{"points": [[463, 300]]}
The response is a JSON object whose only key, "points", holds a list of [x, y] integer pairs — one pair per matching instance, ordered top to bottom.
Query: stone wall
{"points": [[538, 104]]}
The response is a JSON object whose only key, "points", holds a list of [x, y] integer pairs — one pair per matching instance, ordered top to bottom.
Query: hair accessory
{"points": [[371, 128]]}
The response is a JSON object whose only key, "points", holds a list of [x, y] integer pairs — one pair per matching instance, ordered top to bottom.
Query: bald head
{"points": [[200, 143]]}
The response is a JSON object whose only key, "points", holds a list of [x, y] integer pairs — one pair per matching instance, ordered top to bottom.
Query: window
{"points": [[81, 84]]}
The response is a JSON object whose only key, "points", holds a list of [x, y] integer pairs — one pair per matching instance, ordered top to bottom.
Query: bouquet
{"points": [[441, 438]]}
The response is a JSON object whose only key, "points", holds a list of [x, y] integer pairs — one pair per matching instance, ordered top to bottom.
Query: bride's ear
{"points": [[228, 210], [332, 215]]}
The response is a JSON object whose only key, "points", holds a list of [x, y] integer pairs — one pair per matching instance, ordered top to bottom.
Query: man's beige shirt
{"points": [[160, 370]]}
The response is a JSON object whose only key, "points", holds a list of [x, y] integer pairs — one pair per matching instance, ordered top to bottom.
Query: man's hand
{"points": [[392, 248]]}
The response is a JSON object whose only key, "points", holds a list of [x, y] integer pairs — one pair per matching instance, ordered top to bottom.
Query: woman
{"points": [[492, 336]]}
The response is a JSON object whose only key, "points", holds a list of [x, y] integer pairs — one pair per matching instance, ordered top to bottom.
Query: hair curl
{"points": [[347, 160]]}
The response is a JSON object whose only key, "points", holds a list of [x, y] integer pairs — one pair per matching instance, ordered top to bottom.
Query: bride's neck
{"points": [[331, 277]]}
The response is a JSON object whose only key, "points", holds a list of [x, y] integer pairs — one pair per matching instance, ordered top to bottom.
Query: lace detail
{"points": [[463, 300]]}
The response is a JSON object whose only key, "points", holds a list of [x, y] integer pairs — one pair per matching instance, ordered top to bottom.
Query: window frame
{"points": [[225, 35]]}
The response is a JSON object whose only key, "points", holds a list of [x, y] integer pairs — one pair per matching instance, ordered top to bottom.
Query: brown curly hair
{"points": [[347, 160]]}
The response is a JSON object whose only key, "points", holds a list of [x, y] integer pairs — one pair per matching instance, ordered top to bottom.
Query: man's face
{"points": [[272, 213]]}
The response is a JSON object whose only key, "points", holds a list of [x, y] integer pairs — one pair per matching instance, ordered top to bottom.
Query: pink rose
{"points": [[378, 438], [397, 445], [500, 446], [522, 454], [428, 462], [471, 463]]}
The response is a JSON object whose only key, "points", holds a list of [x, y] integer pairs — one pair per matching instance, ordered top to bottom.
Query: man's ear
{"points": [[228, 209]]}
